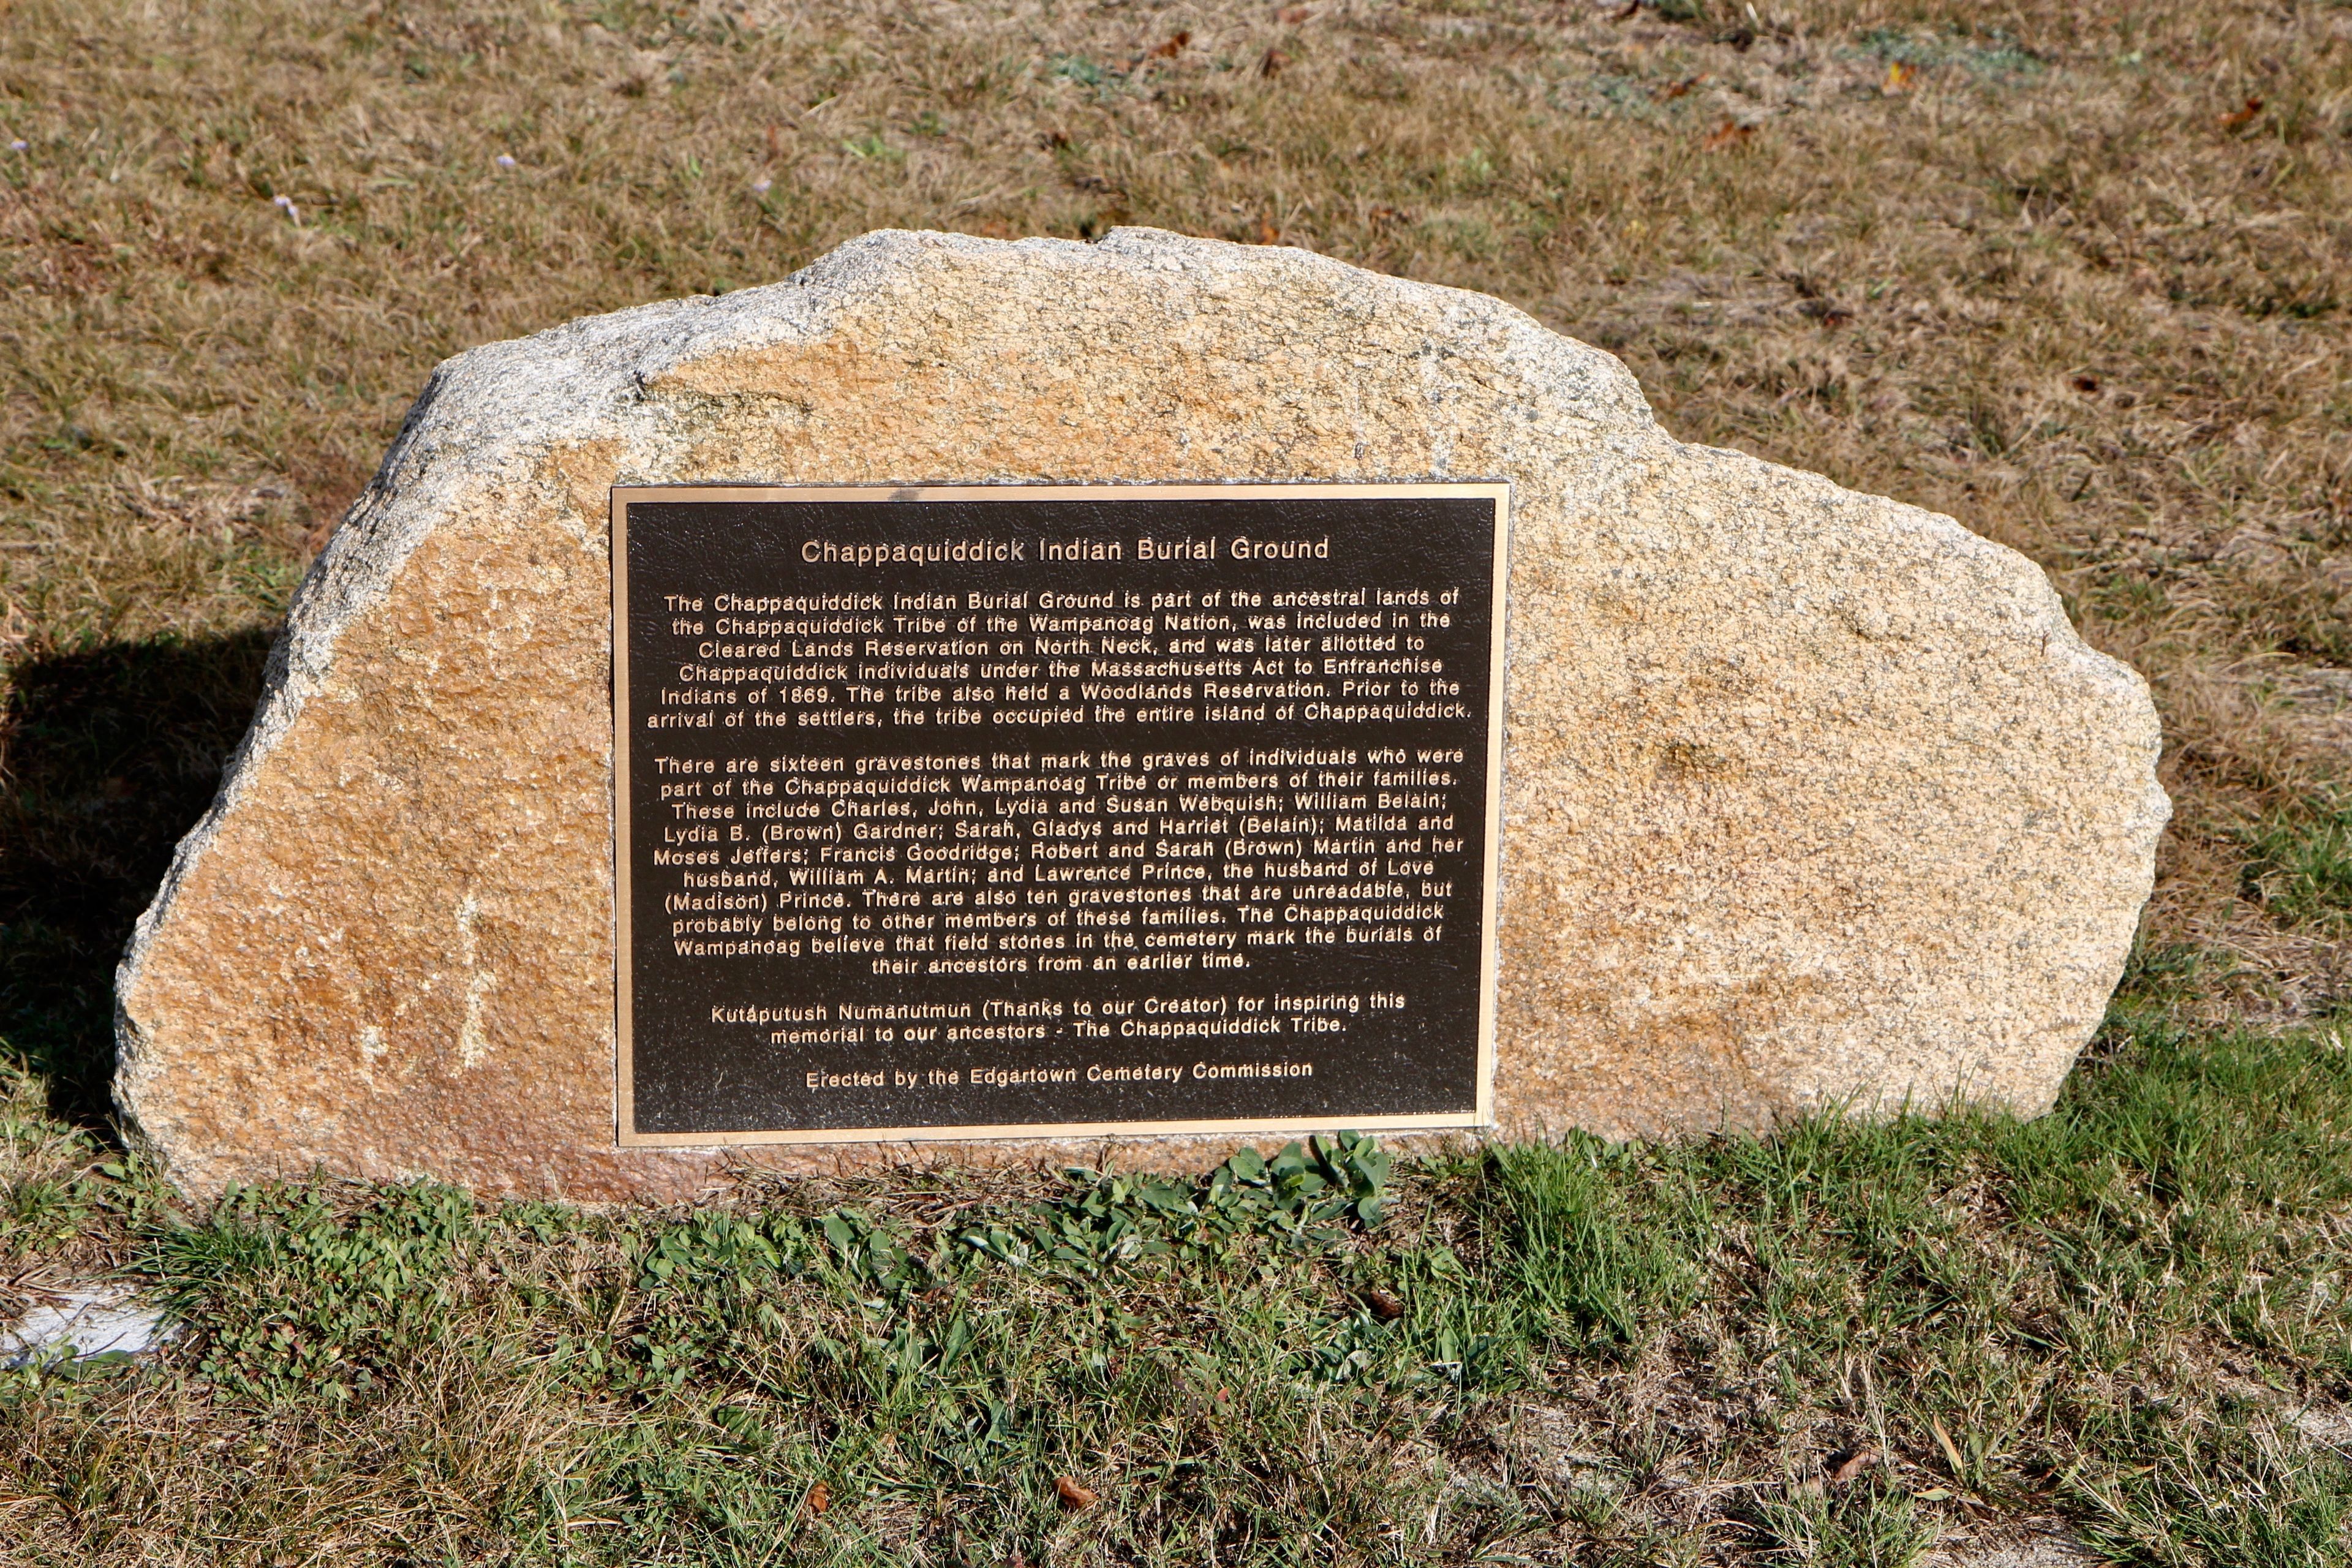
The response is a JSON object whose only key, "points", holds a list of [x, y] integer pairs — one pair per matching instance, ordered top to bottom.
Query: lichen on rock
{"points": [[1811, 799]]}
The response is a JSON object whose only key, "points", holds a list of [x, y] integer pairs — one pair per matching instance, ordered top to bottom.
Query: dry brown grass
{"points": [[2038, 265]]}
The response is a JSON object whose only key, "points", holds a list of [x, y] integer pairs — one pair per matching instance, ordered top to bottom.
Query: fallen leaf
{"points": [[1633, 8], [1291, 16], [1173, 46], [1273, 63], [1899, 77], [1675, 90], [2237, 119], [1731, 134], [1052, 140], [775, 142], [1390, 215], [1268, 234], [2087, 385], [1385, 1307], [1951, 1452], [1853, 1465], [1074, 1495], [820, 1497]]}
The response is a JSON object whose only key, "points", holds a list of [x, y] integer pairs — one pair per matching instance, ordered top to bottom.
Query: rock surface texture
{"points": [[1812, 798]]}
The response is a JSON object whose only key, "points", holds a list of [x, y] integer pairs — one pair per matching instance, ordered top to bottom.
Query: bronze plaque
{"points": [[1032, 810]]}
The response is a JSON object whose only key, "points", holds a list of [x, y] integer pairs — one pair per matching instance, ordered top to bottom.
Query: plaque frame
{"points": [[1480, 1116]]}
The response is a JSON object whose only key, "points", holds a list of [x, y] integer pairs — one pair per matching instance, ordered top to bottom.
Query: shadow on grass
{"points": [[106, 757]]}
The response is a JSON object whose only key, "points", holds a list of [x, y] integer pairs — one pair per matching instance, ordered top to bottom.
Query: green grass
{"points": [[2299, 866], [1843, 1344]]}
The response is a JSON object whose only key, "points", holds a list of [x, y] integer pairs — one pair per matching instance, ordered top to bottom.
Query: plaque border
{"points": [[1481, 1116]]}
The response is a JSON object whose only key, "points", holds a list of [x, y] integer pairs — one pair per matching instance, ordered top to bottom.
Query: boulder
{"points": [[1812, 799]]}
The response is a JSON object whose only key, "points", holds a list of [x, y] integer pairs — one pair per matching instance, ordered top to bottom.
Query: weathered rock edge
{"points": [[1812, 798]]}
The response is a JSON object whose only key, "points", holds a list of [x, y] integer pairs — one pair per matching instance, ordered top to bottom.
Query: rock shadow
{"points": [[108, 756]]}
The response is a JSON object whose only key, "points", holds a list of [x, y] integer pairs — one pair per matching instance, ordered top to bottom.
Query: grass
{"points": [[2076, 273], [2299, 866], [1839, 1345]]}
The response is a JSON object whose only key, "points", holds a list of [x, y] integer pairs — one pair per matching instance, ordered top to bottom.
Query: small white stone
{"points": [[81, 1323]]}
